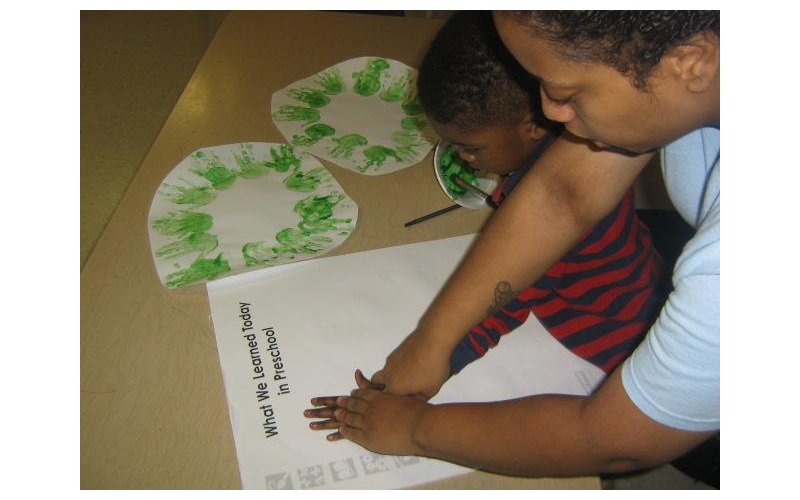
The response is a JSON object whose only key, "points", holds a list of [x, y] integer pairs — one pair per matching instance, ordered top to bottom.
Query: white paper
{"points": [[361, 114], [226, 209], [326, 317]]}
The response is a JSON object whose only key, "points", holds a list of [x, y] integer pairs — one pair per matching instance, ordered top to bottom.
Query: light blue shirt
{"points": [[673, 376]]}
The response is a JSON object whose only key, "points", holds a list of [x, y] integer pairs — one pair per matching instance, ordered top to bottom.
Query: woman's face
{"points": [[594, 100]]}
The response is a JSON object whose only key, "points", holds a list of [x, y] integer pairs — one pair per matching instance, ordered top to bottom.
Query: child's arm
{"points": [[569, 190]]}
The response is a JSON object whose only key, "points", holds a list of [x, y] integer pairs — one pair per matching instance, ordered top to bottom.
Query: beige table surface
{"points": [[153, 407]]}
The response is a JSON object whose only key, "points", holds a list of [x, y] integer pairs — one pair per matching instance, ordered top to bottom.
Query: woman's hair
{"points": [[633, 42], [470, 80]]}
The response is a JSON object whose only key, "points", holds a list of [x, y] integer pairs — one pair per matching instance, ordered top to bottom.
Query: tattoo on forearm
{"points": [[503, 294]]}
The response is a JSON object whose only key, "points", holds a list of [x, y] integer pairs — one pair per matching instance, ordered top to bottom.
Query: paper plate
{"points": [[361, 114], [485, 181], [226, 209]]}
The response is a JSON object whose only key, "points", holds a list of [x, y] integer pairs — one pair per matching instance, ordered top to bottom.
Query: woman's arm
{"points": [[571, 187], [545, 435]]}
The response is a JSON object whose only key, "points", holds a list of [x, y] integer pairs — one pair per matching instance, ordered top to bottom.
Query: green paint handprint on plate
{"points": [[331, 81], [368, 81], [397, 89], [312, 97], [371, 98], [297, 114], [413, 123], [314, 134], [346, 144], [376, 156], [220, 176], [305, 182], [192, 195], [281, 205], [182, 223], [193, 243], [201, 269]]}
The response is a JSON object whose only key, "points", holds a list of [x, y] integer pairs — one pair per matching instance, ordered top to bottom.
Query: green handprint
{"points": [[331, 81], [368, 81], [397, 89], [312, 97], [411, 106], [296, 114], [413, 123], [314, 134], [409, 138], [406, 141], [346, 144], [376, 156], [281, 161], [249, 168], [215, 172], [307, 182], [195, 195], [317, 207], [317, 212], [183, 222], [291, 241], [297, 241], [194, 242], [199, 270]]}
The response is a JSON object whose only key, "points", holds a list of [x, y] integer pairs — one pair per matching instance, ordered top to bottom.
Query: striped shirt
{"points": [[598, 301]]}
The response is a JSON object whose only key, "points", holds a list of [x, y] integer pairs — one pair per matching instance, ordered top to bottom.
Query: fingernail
{"points": [[340, 401], [307, 413], [338, 413]]}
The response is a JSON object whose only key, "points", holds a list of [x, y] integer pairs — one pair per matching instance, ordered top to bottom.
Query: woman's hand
{"points": [[418, 367]]}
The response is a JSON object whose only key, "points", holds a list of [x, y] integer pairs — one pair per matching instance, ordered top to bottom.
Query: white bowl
{"points": [[487, 182]]}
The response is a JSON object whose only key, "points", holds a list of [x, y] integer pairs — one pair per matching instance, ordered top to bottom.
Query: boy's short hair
{"points": [[633, 42], [469, 79]]}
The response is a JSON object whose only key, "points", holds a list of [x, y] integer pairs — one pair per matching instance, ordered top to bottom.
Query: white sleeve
{"points": [[673, 376]]}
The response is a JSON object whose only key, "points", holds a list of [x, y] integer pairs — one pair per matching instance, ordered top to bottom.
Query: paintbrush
{"points": [[475, 190], [431, 215]]}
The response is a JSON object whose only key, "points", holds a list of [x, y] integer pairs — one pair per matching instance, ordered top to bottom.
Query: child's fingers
{"points": [[324, 401], [326, 412], [324, 425], [336, 436]]}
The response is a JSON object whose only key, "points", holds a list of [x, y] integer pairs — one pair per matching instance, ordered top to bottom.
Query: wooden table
{"points": [[153, 407]]}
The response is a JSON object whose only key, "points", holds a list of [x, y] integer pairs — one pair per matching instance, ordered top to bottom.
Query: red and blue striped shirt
{"points": [[598, 301]]}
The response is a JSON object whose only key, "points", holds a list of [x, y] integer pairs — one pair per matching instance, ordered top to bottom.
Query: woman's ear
{"points": [[696, 62]]}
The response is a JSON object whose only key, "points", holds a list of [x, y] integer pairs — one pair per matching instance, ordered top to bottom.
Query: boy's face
{"points": [[595, 101], [500, 149]]}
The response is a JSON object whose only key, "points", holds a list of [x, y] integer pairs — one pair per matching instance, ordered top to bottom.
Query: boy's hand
{"points": [[416, 367], [326, 406], [382, 423]]}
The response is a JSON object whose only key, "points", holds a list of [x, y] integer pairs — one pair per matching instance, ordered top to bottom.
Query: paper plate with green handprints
{"points": [[362, 114], [226, 209]]}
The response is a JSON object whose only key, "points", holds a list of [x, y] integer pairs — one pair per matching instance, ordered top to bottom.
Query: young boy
{"points": [[600, 298]]}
